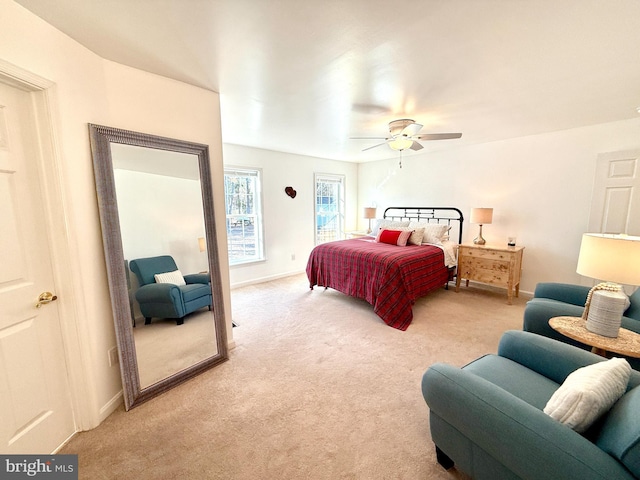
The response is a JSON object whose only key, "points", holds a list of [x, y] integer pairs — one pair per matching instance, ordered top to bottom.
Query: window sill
{"points": [[245, 263]]}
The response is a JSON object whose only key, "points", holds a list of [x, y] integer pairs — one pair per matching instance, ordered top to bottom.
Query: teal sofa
{"points": [[560, 299], [166, 300], [487, 418]]}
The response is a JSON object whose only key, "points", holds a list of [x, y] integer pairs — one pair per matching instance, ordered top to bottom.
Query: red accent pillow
{"points": [[389, 236], [394, 237]]}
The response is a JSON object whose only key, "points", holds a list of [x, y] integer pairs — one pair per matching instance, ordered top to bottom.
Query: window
{"points": [[242, 191], [329, 209]]}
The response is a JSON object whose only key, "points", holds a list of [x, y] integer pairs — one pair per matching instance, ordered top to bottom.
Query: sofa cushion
{"points": [[195, 290], [520, 381], [588, 393], [619, 435]]}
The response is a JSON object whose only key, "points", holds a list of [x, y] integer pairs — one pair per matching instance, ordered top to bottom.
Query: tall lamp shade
{"points": [[369, 214], [481, 216], [202, 244], [612, 258]]}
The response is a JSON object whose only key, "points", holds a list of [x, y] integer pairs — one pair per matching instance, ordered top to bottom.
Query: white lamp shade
{"points": [[369, 212], [483, 216], [202, 244], [612, 258]]}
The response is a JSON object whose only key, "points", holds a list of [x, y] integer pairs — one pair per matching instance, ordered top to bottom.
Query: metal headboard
{"points": [[446, 215]]}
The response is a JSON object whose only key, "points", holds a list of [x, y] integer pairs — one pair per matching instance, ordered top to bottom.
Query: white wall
{"points": [[89, 89], [539, 187], [161, 215], [288, 223]]}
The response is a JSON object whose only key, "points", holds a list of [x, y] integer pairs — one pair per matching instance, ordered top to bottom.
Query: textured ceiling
{"points": [[303, 76]]}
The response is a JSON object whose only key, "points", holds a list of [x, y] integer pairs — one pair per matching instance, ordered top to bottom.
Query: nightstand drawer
{"points": [[484, 254], [486, 271]]}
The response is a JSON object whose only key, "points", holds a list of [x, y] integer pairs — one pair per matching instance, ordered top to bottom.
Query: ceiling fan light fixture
{"points": [[400, 143]]}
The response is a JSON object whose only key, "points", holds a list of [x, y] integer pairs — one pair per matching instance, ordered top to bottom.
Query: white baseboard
{"points": [[256, 281], [486, 286], [111, 406]]}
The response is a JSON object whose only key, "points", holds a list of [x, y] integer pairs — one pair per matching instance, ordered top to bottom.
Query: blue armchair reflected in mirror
{"points": [[165, 293]]}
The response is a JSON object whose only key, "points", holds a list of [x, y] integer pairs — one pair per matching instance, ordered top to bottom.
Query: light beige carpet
{"points": [[164, 348], [318, 387]]}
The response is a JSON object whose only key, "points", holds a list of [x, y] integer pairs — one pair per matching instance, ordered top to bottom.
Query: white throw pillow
{"points": [[434, 233], [174, 277], [589, 392]]}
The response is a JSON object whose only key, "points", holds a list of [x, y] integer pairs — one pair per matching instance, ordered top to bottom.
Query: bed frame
{"points": [[446, 215]]}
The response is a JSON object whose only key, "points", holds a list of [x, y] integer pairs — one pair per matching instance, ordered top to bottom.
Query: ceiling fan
{"points": [[403, 135]]}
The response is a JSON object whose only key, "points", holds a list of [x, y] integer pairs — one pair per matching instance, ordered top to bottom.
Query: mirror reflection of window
{"points": [[243, 202]]}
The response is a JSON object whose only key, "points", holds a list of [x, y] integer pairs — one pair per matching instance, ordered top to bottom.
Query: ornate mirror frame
{"points": [[101, 138]]}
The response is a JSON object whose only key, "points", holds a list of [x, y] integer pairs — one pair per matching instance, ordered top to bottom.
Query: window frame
{"points": [[330, 178], [258, 212]]}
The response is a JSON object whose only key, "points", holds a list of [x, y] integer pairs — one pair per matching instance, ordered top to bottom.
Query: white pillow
{"points": [[384, 223], [434, 233], [174, 277], [589, 392]]}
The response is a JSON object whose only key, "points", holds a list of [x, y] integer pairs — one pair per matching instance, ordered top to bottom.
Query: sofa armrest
{"points": [[203, 278], [562, 292], [159, 293], [550, 358], [519, 436]]}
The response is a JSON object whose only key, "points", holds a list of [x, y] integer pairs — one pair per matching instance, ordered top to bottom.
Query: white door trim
{"points": [[63, 243]]}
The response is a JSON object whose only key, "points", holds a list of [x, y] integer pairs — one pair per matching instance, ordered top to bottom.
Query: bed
{"points": [[390, 277]]}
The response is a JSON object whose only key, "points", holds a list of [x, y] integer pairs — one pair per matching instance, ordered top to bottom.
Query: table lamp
{"points": [[369, 214], [482, 216], [202, 245], [612, 258]]}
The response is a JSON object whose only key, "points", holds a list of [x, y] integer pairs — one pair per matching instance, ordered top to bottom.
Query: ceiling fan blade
{"points": [[411, 130], [438, 136], [367, 138], [374, 146], [416, 146]]}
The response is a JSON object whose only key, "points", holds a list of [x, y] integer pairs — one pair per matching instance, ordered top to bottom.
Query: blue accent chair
{"points": [[563, 299], [166, 300], [487, 417]]}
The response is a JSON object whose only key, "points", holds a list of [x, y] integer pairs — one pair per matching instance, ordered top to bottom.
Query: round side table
{"points": [[626, 343]]}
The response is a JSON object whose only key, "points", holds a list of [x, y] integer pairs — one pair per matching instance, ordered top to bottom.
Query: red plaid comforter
{"points": [[390, 278]]}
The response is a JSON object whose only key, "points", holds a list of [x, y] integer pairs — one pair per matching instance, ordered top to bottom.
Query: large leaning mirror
{"points": [[156, 211]]}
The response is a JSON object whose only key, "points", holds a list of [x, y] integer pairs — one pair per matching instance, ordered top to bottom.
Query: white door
{"points": [[615, 206], [35, 402]]}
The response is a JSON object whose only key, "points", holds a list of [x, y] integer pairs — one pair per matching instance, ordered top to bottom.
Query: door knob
{"points": [[46, 297]]}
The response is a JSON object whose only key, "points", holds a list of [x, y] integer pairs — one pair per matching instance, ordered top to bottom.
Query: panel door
{"points": [[615, 206], [35, 403]]}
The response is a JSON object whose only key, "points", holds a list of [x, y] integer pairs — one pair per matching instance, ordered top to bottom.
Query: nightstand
{"points": [[491, 264]]}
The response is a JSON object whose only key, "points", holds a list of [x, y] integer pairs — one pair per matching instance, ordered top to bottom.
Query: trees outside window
{"points": [[242, 189], [329, 207]]}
